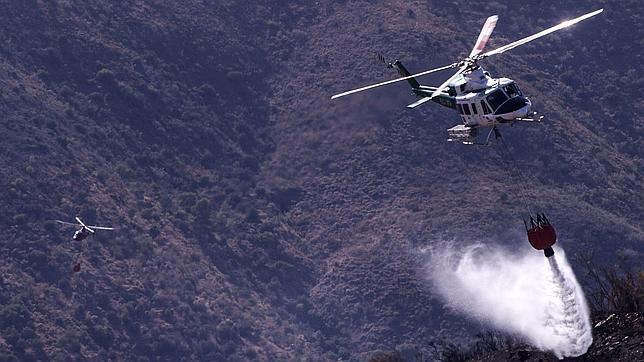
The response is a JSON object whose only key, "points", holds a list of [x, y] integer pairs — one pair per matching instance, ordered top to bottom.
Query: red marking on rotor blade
{"points": [[485, 35]]}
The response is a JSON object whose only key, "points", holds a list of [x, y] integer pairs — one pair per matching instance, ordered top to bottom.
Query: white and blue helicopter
{"points": [[481, 101], [84, 230], [81, 234]]}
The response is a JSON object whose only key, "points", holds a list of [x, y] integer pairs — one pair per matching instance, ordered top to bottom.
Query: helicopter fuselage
{"points": [[482, 101], [80, 234]]}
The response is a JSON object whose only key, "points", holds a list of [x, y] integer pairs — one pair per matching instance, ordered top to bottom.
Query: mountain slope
{"points": [[381, 181], [259, 219]]}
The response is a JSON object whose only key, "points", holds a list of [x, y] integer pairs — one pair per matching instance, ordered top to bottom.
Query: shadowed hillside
{"points": [[258, 219]]}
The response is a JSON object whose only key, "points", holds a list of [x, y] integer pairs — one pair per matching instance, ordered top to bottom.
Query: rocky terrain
{"points": [[258, 219]]}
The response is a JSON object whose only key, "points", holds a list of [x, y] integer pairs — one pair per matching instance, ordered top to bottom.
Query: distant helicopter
{"points": [[481, 101], [85, 230], [82, 234]]}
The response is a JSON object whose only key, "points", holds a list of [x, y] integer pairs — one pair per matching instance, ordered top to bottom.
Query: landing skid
{"points": [[535, 117], [468, 135], [487, 142]]}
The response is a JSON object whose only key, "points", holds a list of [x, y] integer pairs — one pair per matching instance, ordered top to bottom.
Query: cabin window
{"points": [[512, 90], [496, 98], [484, 107], [459, 108], [474, 108], [466, 109]]}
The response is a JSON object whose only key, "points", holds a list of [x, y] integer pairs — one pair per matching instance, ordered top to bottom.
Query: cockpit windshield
{"points": [[512, 90], [496, 98]]}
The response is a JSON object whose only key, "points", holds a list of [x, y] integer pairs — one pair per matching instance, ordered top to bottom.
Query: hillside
{"points": [[258, 219], [617, 337]]}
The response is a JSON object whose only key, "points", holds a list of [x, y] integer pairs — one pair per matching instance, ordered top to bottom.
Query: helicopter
{"points": [[480, 100], [483, 102], [84, 230], [81, 234]]}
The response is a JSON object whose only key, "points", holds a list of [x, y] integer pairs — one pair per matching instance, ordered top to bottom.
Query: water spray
{"points": [[525, 294]]}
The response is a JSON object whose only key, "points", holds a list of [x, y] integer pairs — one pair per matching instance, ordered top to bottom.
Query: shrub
{"points": [[105, 76], [130, 94], [123, 171], [187, 200], [201, 209], [19, 219], [154, 231], [611, 288], [482, 345], [393, 356]]}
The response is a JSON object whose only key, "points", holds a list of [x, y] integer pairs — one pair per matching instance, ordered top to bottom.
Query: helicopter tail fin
{"points": [[401, 70], [405, 73]]}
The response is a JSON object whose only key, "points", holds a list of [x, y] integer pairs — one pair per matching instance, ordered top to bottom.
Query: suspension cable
{"points": [[514, 172], [522, 176]]}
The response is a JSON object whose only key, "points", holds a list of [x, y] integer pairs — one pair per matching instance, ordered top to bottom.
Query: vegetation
{"points": [[258, 220], [612, 288], [483, 344]]}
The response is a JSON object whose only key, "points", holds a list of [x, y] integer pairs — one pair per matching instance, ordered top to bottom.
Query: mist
{"points": [[535, 298]]}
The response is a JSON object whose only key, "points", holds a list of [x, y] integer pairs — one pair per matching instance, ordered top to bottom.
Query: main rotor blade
{"points": [[564, 24], [486, 31], [392, 81], [440, 88], [80, 221], [67, 223], [85, 226], [101, 227]]}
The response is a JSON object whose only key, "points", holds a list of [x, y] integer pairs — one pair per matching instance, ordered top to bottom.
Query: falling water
{"points": [[528, 295]]}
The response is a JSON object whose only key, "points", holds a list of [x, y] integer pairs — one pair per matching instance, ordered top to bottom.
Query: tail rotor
{"points": [[384, 61]]}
